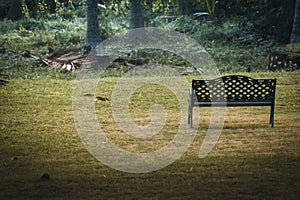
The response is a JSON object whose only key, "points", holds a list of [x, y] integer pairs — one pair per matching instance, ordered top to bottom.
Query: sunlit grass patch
{"points": [[140, 106], [250, 159]]}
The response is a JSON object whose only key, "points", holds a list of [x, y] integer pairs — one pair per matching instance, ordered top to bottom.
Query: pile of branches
{"points": [[72, 60], [64, 61], [283, 61]]}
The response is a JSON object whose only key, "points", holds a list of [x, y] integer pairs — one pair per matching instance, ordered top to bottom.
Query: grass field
{"points": [[250, 161]]}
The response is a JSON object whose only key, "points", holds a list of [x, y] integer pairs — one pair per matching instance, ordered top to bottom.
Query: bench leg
{"points": [[190, 114], [272, 116], [190, 117]]}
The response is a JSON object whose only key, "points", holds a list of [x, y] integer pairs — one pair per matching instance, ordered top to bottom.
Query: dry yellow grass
{"points": [[250, 161]]}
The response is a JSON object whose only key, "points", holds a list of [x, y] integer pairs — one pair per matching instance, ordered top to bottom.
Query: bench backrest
{"points": [[234, 88]]}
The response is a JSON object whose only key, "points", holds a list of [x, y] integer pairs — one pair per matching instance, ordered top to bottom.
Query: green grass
{"points": [[250, 161]]}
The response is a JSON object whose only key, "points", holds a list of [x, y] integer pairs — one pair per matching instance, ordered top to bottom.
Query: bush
{"points": [[233, 45]]}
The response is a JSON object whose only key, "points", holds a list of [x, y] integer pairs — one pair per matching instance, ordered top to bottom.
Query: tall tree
{"points": [[185, 7], [15, 10], [136, 16], [136, 21], [93, 31], [295, 36]]}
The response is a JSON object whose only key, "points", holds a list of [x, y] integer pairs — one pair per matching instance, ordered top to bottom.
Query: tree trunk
{"points": [[185, 7], [15, 10], [136, 16], [136, 26], [93, 31], [295, 36]]}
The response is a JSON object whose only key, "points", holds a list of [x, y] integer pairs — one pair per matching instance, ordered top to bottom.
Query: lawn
{"points": [[250, 161]]}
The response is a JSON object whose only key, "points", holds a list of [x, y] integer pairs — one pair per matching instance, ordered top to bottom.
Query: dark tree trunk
{"points": [[185, 7], [3, 10], [15, 10], [136, 16], [93, 31], [137, 31], [295, 36]]}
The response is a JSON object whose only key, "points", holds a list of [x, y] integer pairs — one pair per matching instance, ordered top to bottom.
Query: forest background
{"points": [[237, 33]]}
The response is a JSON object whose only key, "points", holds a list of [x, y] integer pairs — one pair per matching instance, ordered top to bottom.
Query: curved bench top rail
{"points": [[234, 88]]}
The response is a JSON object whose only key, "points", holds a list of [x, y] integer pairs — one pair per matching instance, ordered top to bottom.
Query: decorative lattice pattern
{"points": [[234, 88]]}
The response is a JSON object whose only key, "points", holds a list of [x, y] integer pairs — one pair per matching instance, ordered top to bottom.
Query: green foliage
{"points": [[211, 6], [25, 9], [269, 17], [112, 18], [276, 18], [32, 34], [36, 36], [234, 42], [233, 46], [295, 48], [159, 56]]}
